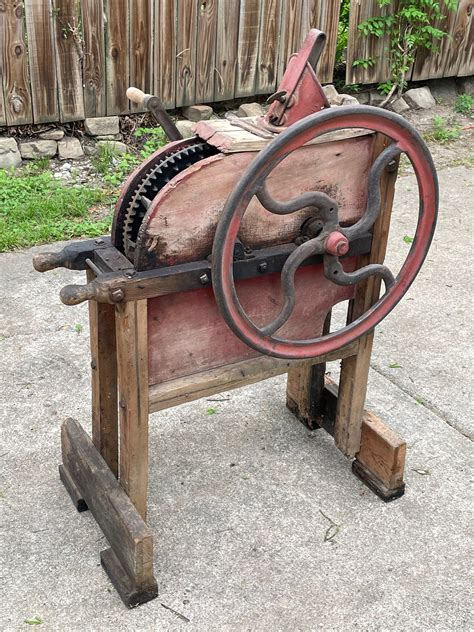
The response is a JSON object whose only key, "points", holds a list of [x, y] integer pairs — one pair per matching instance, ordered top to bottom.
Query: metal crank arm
{"points": [[156, 107], [73, 256]]}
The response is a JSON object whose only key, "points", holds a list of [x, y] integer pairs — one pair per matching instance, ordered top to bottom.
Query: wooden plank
{"points": [[323, 15], [249, 30], [291, 37], [186, 38], [165, 44], [141, 47], [361, 47], [268, 48], [206, 50], [226, 52], [460, 55], [94, 58], [69, 59], [117, 59], [42, 60], [14, 62], [429, 65], [131, 332], [355, 370], [104, 380], [189, 388], [128, 535]]}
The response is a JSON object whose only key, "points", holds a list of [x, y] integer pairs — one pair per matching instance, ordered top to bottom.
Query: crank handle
{"points": [[138, 96], [155, 106], [49, 261], [93, 291]]}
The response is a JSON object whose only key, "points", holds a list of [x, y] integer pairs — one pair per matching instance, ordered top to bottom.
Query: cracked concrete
{"points": [[241, 500]]}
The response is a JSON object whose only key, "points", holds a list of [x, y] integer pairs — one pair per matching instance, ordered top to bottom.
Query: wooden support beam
{"points": [[132, 358], [129, 561]]}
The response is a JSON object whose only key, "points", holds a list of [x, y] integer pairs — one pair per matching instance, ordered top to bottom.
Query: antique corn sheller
{"points": [[228, 252]]}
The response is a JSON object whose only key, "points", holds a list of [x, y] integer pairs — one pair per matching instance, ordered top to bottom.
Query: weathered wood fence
{"points": [[64, 60]]}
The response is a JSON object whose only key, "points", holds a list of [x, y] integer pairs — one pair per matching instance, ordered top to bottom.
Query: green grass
{"points": [[464, 104], [441, 132], [35, 208]]}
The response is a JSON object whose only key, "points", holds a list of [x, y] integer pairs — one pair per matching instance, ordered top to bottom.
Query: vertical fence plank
{"points": [[323, 15], [249, 31], [290, 40], [165, 41], [141, 46], [268, 46], [226, 49], [206, 50], [186, 52], [14, 55], [459, 55], [94, 58], [69, 59], [117, 59], [42, 60], [429, 65], [466, 67], [3, 116]]}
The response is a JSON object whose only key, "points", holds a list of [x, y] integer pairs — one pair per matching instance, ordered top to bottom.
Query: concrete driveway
{"points": [[241, 501]]}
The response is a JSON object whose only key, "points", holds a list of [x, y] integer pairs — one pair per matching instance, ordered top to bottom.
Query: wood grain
{"points": [[228, 15], [323, 15], [249, 30], [292, 36], [186, 39], [141, 47], [268, 49], [206, 50], [460, 55], [117, 57], [94, 58], [42, 60], [14, 62], [430, 65], [165, 75], [131, 332]]}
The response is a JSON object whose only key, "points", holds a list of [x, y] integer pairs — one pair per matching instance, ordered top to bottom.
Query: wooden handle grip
{"points": [[136, 95], [48, 261], [76, 294]]}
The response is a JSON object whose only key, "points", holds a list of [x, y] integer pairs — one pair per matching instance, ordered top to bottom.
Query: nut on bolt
{"points": [[262, 267], [204, 279], [117, 295]]}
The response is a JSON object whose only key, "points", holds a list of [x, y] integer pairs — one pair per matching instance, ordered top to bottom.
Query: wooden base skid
{"points": [[91, 484]]}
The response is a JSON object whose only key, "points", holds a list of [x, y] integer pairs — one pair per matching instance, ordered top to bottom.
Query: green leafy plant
{"points": [[408, 26], [343, 32], [464, 104], [441, 132], [34, 621]]}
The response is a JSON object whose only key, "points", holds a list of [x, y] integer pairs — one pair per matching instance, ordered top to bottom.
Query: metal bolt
{"points": [[392, 166], [99, 241], [262, 267], [130, 273], [204, 279], [117, 295], [93, 365]]}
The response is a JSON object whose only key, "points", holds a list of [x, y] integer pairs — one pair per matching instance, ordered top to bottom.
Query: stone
{"points": [[466, 85], [445, 91], [332, 95], [363, 98], [375, 98], [420, 98], [348, 99], [399, 106], [250, 109], [198, 112], [230, 114], [102, 126], [185, 128], [53, 134], [109, 137], [114, 146], [38, 149], [70, 149], [90, 150], [9, 154], [66, 166]]}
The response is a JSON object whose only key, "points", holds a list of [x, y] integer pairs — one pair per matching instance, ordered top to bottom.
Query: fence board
{"points": [[323, 15], [228, 16], [292, 35], [269, 45], [141, 46], [206, 50], [186, 55], [247, 55], [460, 55], [94, 58], [69, 59], [117, 59], [42, 60], [431, 66], [466, 67], [165, 73], [17, 98], [3, 119]]}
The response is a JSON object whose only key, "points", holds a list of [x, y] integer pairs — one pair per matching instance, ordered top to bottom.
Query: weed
{"points": [[464, 104], [441, 133], [37, 208], [407, 239], [78, 328], [395, 365]]}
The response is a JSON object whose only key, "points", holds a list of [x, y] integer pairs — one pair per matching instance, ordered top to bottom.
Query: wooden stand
{"points": [[109, 473]]}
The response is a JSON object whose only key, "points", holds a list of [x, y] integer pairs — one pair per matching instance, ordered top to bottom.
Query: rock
{"points": [[466, 85], [444, 90], [332, 95], [363, 98], [375, 98], [420, 98], [348, 99], [399, 106], [250, 109], [198, 112], [230, 114], [102, 126], [186, 128], [53, 134], [109, 137], [113, 146], [38, 149], [70, 149], [90, 150], [9, 154], [66, 166]]}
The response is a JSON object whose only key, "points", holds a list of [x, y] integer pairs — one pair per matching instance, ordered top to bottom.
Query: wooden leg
{"points": [[131, 330], [104, 380], [305, 387], [129, 560]]}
